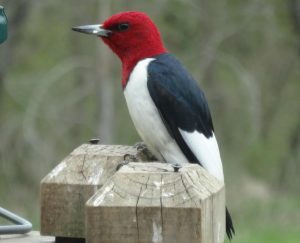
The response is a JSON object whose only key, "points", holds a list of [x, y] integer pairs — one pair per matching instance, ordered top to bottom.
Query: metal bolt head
{"points": [[94, 141], [176, 167]]}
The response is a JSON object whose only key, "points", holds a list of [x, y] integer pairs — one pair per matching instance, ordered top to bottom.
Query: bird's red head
{"points": [[131, 35]]}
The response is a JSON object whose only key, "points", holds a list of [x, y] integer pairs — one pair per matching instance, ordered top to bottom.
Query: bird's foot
{"points": [[140, 146], [143, 152], [130, 158], [126, 160], [119, 166], [176, 167]]}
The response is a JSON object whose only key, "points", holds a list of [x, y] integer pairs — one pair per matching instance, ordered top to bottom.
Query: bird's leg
{"points": [[140, 145], [143, 153], [140, 156], [176, 167]]}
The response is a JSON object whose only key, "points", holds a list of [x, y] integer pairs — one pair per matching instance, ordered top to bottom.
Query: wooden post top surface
{"points": [[85, 165], [156, 184]]}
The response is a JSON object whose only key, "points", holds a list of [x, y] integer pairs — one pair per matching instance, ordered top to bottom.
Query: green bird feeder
{"points": [[3, 25], [19, 225]]}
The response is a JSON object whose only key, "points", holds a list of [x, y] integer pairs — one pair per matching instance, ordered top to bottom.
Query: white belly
{"points": [[146, 118]]}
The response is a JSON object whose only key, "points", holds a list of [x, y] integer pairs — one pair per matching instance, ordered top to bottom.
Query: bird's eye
{"points": [[123, 26]]}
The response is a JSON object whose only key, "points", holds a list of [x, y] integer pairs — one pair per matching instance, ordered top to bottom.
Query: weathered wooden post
{"points": [[65, 190], [85, 198], [149, 202]]}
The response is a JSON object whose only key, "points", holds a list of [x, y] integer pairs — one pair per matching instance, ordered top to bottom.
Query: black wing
{"points": [[179, 100]]}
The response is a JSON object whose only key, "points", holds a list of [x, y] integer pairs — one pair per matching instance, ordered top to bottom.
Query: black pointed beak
{"points": [[95, 29]]}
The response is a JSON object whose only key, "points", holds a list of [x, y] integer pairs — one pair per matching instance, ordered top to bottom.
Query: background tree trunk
{"points": [[104, 85]]}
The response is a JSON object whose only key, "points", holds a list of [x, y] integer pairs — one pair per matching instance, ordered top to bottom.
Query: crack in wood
{"points": [[83, 163], [204, 175], [147, 182], [195, 185], [114, 189], [187, 190], [161, 205], [136, 215]]}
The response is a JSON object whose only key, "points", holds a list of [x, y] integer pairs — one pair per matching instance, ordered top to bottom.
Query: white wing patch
{"points": [[206, 150]]}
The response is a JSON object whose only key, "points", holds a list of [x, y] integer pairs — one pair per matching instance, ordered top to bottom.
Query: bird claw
{"points": [[140, 146], [143, 152], [127, 158], [130, 158], [119, 166]]}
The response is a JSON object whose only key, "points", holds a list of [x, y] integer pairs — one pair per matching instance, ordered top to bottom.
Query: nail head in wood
{"points": [[94, 141]]}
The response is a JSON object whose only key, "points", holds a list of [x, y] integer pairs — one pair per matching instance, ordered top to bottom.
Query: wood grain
{"points": [[65, 190], [149, 202]]}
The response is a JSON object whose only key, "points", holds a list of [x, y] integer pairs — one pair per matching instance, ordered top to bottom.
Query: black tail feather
{"points": [[229, 225]]}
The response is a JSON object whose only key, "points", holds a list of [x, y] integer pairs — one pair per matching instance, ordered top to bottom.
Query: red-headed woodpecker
{"points": [[167, 107]]}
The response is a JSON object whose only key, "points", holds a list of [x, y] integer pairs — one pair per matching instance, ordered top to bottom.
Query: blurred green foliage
{"points": [[55, 94]]}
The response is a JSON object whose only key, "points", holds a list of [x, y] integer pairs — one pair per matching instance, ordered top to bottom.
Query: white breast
{"points": [[146, 118]]}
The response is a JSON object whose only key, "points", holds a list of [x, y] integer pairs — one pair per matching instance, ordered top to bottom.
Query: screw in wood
{"points": [[94, 141]]}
